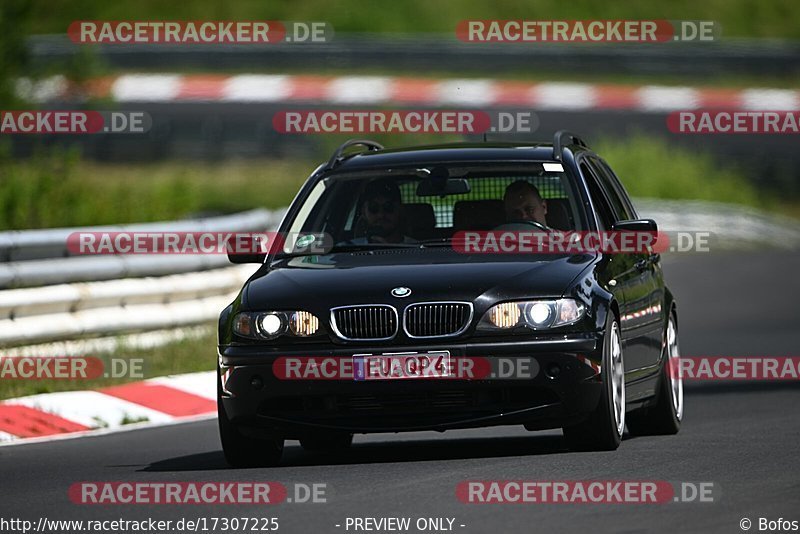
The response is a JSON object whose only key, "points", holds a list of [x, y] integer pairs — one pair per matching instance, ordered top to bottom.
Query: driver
{"points": [[522, 202], [380, 209]]}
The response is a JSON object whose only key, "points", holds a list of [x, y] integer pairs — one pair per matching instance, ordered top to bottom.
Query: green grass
{"points": [[739, 18], [649, 168], [61, 189], [185, 356], [130, 420]]}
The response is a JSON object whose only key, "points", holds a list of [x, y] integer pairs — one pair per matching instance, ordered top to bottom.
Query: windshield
{"points": [[423, 205]]}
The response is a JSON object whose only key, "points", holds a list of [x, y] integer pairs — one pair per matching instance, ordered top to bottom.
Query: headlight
{"points": [[535, 314], [270, 325]]}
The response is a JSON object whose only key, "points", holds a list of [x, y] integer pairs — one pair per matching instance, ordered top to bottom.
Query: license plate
{"points": [[401, 365]]}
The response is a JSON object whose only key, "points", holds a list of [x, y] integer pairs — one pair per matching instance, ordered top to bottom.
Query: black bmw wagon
{"points": [[394, 325]]}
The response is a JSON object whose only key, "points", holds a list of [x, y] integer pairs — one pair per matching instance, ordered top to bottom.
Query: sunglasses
{"points": [[386, 207]]}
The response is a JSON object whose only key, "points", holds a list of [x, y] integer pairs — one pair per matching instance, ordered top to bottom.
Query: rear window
{"points": [[551, 187]]}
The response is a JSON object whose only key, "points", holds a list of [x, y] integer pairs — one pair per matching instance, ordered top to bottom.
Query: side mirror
{"points": [[639, 225], [249, 252], [246, 258]]}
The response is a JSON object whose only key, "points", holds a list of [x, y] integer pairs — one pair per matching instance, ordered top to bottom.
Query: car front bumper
{"points": [[260, 403]]}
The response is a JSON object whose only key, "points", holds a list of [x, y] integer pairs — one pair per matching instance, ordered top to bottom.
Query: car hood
{"points": [[321, 282]]}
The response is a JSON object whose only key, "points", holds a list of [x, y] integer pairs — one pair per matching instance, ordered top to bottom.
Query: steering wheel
{"points": [[521, 225]]}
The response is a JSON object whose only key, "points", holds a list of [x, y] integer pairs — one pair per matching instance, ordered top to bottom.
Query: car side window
{"points": [[623, 194], [601, 207], [621, 211]]}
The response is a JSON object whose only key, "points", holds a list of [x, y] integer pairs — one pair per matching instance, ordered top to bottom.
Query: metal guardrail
{"points": [[423, 52], [730, 226], [51, 243], [40, 257], [87, 268], [125, 293], [71, 298], [61, 312], [111, 344]]}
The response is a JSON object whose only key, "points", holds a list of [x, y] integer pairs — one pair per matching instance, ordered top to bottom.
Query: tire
{"points": [[664, 417], [602, 431], [327, 442], [244, 451]]}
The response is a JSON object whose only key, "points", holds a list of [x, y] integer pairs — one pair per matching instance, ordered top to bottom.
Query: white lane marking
{"points": [[146, 87], [257, 88], [359, 89], [466, 92], [564, 96], [659, 98], [770, 99], [202, 384], [90, 408], [105, 431]]}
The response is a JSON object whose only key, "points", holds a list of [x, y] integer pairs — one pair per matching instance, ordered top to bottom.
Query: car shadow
{"points": [[383, 452]]}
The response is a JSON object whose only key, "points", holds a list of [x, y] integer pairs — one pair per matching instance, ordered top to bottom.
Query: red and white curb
{"points": [[402, 91], [156, 401]]}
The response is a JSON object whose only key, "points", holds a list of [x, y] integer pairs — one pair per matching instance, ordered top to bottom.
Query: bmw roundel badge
{"points": [[401, 292]]}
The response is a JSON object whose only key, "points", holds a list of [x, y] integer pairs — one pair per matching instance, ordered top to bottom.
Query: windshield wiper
{"points": [[437, 242], [348, 247], [344, 248]]}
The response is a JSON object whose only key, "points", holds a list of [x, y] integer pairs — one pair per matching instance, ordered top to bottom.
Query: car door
{"points": [[654, 258], [632, 275], [645, 318]]}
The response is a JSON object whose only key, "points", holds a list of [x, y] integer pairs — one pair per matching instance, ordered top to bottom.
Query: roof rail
{"points": [[558, 143], [338, 155]]}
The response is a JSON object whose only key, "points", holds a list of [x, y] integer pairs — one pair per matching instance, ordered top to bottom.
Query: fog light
{"points": [[553, 370]]}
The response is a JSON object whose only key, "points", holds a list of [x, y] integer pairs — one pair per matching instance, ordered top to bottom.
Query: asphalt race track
{"points": [[742, 437]]}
